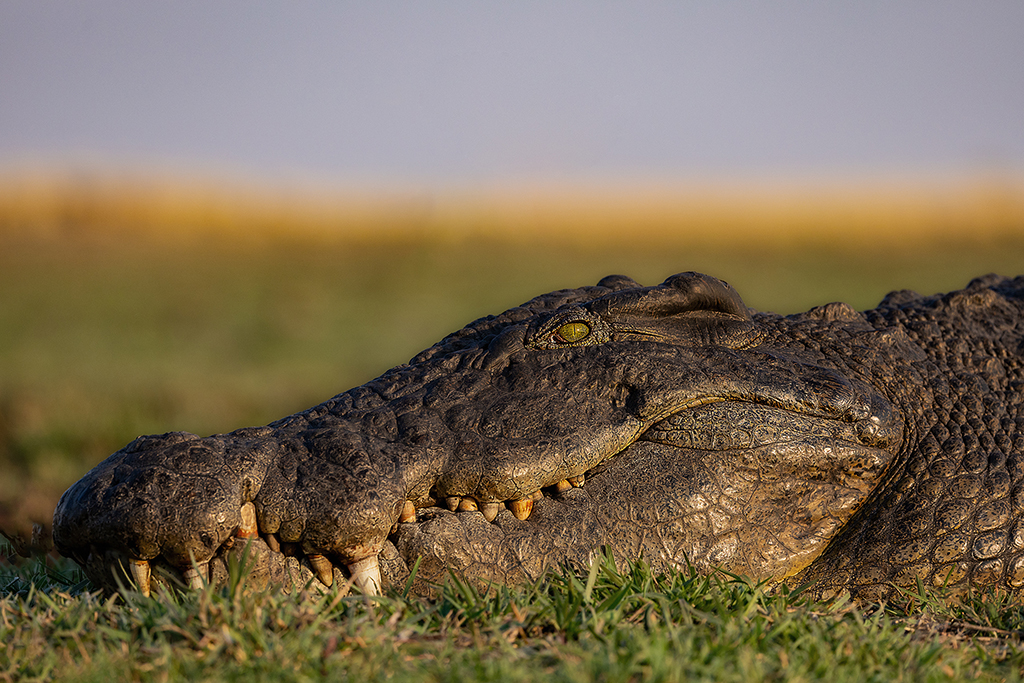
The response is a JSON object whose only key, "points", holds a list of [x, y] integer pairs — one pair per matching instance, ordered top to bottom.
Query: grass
{"points": [[609, 625]]}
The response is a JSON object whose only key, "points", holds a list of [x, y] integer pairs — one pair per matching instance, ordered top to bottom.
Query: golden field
{"points": [[855, 211]]}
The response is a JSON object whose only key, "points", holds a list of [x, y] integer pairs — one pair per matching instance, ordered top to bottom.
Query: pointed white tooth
{"points": [[577, 481], [563, 485], [467, 505], [521, 508], [491, 510], [408, 513], [247, 527], [323, 569], [365, 574], [140, 575], [197, 576]]}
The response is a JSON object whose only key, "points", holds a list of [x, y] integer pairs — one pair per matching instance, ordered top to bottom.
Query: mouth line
{"points": [[843, 416], [522, 507]]}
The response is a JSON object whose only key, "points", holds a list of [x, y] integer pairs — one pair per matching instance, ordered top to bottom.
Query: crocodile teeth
{"points": [[577, 481], [563, 485], [536, 495], [452, 502], [467, 505], [521, 508], [491, 510], [408, 513], [247, 528], [272, 542], [323, 569], [140, 575], [197, 575], [365, 575]]}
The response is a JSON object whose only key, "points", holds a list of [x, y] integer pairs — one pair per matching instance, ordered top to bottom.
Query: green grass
{"points": [[609, 625]]}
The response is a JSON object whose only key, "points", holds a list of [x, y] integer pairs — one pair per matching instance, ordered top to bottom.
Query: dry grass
{"points": [[855, 211]]}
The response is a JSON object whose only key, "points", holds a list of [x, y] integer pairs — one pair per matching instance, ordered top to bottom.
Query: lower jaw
{"points": [[258, 561]]}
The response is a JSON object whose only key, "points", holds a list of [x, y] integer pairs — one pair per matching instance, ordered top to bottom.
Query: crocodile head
{"points": [[666, 422]]}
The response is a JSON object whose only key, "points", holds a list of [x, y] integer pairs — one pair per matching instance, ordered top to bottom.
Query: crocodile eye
{"points": [[572, 332]]}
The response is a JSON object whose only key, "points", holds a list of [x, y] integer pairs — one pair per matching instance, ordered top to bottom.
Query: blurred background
{"points": [[215, 214]]}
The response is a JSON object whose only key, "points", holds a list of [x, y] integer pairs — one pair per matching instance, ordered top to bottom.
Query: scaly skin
{"points": [[859, 451]]}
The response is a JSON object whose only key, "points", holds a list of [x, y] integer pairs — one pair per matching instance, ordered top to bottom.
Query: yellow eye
{"points": [[573, 332]]}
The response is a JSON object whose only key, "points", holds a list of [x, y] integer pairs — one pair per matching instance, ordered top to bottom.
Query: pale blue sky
{"points": [[470, 90]]}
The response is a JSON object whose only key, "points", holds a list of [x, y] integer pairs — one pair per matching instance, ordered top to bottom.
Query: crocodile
{"points": [[850, 451]]}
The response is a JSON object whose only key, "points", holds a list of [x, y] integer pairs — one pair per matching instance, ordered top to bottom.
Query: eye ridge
{"points": [[572, 332]]}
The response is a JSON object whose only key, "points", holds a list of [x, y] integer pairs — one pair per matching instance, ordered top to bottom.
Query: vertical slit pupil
{"points": [[574, 331]]}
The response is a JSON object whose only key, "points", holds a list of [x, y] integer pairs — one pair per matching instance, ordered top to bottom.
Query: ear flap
{"points": [[618, 282], [703, 292], [680, 293], [687, 306]]}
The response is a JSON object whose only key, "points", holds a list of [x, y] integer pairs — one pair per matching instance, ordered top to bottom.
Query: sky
{"points": [[465, 91]]}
